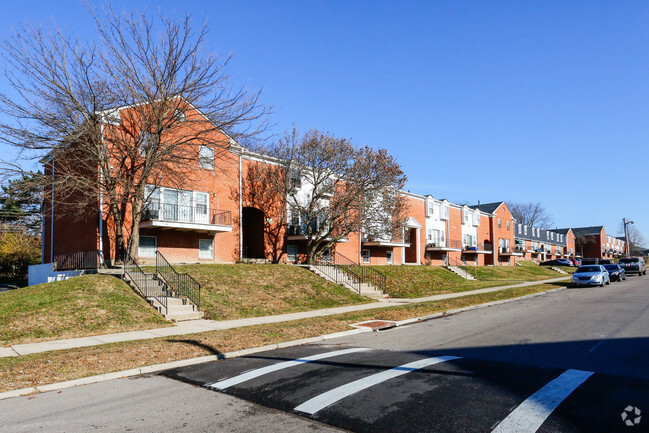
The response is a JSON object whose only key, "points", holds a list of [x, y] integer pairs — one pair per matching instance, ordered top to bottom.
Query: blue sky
{"points": [[545, 101]]}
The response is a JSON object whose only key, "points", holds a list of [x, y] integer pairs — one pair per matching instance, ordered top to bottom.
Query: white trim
{"points": [[185, 226]]}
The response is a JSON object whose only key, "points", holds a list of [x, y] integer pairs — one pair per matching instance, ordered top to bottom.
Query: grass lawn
{"points": [[527, 271], [418, 281], [252, 290], [78, 307], [51, 367]]}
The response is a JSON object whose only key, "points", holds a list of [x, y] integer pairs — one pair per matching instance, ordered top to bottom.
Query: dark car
{"points": [[589, 261], [557, 262], [606, 262], [633, 265], [616, 272], [7, 287]]}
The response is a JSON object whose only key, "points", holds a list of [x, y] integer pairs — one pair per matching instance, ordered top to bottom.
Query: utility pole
{"points": [[626, 236]]}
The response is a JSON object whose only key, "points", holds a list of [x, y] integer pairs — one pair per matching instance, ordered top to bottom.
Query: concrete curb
{"points": [[193, 361], [169, 365]]}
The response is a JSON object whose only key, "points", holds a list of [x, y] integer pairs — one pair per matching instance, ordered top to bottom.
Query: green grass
{"points": [[419, 281], [252, 290], [81, 306]]}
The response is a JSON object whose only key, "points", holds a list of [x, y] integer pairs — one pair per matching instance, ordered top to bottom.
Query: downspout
{"points": [[101, 205], [240, 210], [43, 228]]}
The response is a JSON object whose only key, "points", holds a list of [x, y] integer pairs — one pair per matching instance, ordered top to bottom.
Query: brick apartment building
{"points": [[210, 219], [593, 242]]}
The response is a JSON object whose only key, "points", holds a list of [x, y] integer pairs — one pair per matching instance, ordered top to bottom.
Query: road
{"points": [[569, 361]]}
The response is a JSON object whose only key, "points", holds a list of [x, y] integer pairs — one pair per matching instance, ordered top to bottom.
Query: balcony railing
{"points": [[186, 214], [301, 229], [449, 243], [478, 247]]}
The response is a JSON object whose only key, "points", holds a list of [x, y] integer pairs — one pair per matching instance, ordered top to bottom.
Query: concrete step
{"points": [[183, 316]]}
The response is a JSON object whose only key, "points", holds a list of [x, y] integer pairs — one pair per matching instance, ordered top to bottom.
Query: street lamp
{"points": [[626, 236]]}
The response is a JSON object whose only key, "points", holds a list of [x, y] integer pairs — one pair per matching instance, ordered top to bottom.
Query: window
{"points": [[179, 115], [145, 143], [206, 158], [294, 179], [169, 204], [431, 208], [445, 211], [466, 216], [476, 218], [499, 224], [507, 225], [525, 230], [148, 246], [206, 248], [291, 253], [366, 256], [388, 257]]}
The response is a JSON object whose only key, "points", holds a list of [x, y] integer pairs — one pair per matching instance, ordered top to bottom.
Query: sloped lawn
{"points": [[253, 290], [78, 307]]}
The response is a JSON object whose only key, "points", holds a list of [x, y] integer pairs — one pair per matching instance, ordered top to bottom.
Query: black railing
{"points": [[186, 214], [449, 243], [478, 247], [78, 260], [466, 268], [355, 273], [181, 284], [148, 285]]}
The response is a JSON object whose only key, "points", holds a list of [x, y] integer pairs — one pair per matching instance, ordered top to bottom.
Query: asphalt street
{"points": [[569, 361]]}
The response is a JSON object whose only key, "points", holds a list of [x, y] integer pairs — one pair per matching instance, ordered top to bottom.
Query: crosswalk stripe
{"points": [[223, 384], [330, 397], [530, 414]]}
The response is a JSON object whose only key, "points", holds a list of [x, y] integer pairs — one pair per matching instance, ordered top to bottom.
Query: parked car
{"points": [[589, 261], [557, 262], [575, 262], [605, 262], [633, 265], [616, 272], [590, 275], [7, 287]]}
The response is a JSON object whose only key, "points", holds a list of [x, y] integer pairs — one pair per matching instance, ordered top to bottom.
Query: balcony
{"points": [[186, 218], [373, 241], [448, 245], [478, 249], [507, 251]]}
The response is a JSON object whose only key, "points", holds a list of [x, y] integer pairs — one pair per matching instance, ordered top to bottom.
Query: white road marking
{"points": [[223, 384], [330, 397], [530, 414]]}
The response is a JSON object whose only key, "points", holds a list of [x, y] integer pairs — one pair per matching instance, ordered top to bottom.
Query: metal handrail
{"points": [[78, 260], [471, 269], [340, 271], [358, 273], [182, 284], [148, 285]]}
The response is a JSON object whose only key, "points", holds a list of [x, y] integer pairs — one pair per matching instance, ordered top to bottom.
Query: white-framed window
{"points": [[179, 115], [145, 143], [206, 158], [168, 204], [430, 208], [445, 211], [466, 216], [476, 218], [499, 224], [507, 225], [525, 230], [547, 235], [148, 246], [206, 248], [291, 253], [366, 256], [388, 257]]}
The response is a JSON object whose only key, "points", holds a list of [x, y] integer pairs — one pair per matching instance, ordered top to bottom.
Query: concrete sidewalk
{"points": [[195, 326]]}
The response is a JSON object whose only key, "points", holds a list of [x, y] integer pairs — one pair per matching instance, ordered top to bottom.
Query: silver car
{"points": [[590, 275]]}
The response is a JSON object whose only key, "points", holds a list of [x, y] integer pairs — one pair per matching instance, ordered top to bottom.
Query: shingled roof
{"points": [[487, 207]]}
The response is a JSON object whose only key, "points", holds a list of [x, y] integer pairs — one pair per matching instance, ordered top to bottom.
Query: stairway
{"points": [[559, 270], [461, 272], [340, 277], [157, 293], [178, 309]]}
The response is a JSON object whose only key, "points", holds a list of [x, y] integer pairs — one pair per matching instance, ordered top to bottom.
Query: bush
{"points": [[17, 252]]}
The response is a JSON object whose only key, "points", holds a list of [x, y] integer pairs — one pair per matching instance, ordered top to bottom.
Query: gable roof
{"points": [[487, 207], [583, 231]]}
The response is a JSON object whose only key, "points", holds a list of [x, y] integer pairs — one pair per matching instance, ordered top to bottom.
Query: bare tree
{"points": [[136, 106], [332, 189], [531, 214], [637, 243]]}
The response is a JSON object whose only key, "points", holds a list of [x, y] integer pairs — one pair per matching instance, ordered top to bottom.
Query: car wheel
{"points": [[608, 282], [602, 285]]}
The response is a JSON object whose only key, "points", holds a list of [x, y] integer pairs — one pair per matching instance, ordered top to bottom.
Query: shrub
{"points": [[17, 252]]}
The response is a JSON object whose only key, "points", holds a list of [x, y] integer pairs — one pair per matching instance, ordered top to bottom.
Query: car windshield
{"points": [[628, 260], [611, 267], [591, 268]]}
